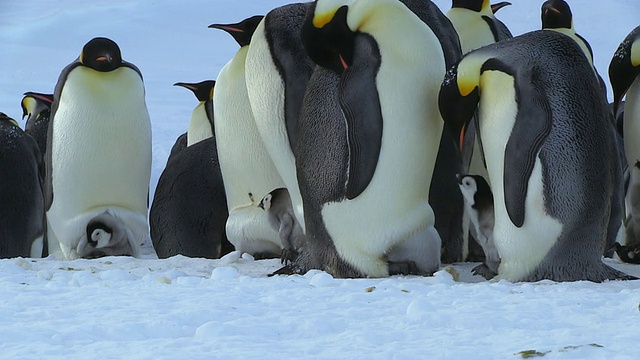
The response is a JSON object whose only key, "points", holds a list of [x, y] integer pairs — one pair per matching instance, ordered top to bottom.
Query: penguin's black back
{"points": [[21, 199], [189, 209]]}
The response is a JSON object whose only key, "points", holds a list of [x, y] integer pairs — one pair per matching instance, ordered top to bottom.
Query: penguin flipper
{"points": [[360, 103], [532, 126]]}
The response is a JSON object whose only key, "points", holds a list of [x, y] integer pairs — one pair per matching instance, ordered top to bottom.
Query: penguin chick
{"points": [[479, 205], [281, 217], [106, 235], [629, 254]]}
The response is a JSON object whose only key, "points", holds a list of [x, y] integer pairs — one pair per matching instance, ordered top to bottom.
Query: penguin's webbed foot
{"points": [[265, 255], [288, 256], [403, 268], [289, 269], [484, 271]]}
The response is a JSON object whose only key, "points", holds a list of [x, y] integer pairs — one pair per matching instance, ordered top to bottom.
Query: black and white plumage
{"points": [[37, 107], [546, 133], [479, 205], [278, 206]]}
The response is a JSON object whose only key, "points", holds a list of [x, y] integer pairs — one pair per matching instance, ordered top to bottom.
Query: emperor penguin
{"points": [[556, 16], [476, 23], [277, 72], [624, 74], [37, 107], [201, 123], [179, 145], [98, 150], [548, 154], [247, 170], [444, 196], [478, 201], [22, 202], [366, 204], [278, 206], [189, 209]]}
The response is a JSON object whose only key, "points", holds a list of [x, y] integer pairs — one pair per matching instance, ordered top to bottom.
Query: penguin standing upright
{"points": [[476, 23], [277, 73], [624, 74], [38, 107], [201, 123], [545, 123], [98, 153], [247, 169], [363, 170], [21, 199], [479, 205]]}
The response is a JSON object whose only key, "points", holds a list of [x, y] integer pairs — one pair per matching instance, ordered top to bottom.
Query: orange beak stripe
{"points": [[344, 63], [462, 133]]}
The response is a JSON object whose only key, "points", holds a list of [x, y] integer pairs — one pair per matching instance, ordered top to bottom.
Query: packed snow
{"points": [[179, 308]]}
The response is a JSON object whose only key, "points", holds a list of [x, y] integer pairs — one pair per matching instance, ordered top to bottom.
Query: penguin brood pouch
{"points": [[544, 123]]}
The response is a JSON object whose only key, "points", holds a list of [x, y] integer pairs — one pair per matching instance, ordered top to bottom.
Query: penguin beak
{"points": [[498, 6], [552, 9], [227, 28], [103, 58], [261, 205]]}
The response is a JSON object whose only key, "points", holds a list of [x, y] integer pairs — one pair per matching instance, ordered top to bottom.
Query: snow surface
{"points": [[183, 308]]}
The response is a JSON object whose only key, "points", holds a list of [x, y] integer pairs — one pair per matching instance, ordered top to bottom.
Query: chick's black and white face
{"points": [[468, 187], [266, 202]]}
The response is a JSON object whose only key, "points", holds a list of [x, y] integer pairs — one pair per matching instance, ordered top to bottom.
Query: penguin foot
{"points": [[106, 236], [265, 255], [288, 256], [403, 268], [289, 269], [484, 271]]}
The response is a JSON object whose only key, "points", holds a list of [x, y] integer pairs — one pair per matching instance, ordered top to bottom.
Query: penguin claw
{"points": [[288, 256], [403, 268], [288, 269], [484, 271]]}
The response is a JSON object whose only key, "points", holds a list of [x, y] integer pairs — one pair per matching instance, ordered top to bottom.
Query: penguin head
{"points": [[473, 5], [497, 6], [556, 14], [242, 31], [327, 37], [101, 54], [624, 67], [202, 90], [35, 104], [4, 118], [265, 203]]}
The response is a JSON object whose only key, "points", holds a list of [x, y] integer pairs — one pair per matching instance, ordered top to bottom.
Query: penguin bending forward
{"points": [[38, 109], [544, 122], [98, 153], [21, 199], [366, 204]]}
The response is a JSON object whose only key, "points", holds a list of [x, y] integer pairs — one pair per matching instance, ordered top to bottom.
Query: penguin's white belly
{"points": [[472, 30], [266, 93], [632, 123], [199, 126], [101, 149], [244, 162], [394, 206], [249, 231], [521, 249]]}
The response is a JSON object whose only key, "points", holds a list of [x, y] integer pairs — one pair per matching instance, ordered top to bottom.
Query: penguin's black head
{"points": [[473, 5], [497, 6], [556, 14], [242, 31], [328, 40], [101, 54], [624, 68], [202, 90], [35, 103], [4, 117]]}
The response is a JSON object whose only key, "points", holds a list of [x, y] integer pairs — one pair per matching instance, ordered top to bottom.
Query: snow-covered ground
{"points": [[183, 308]]}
